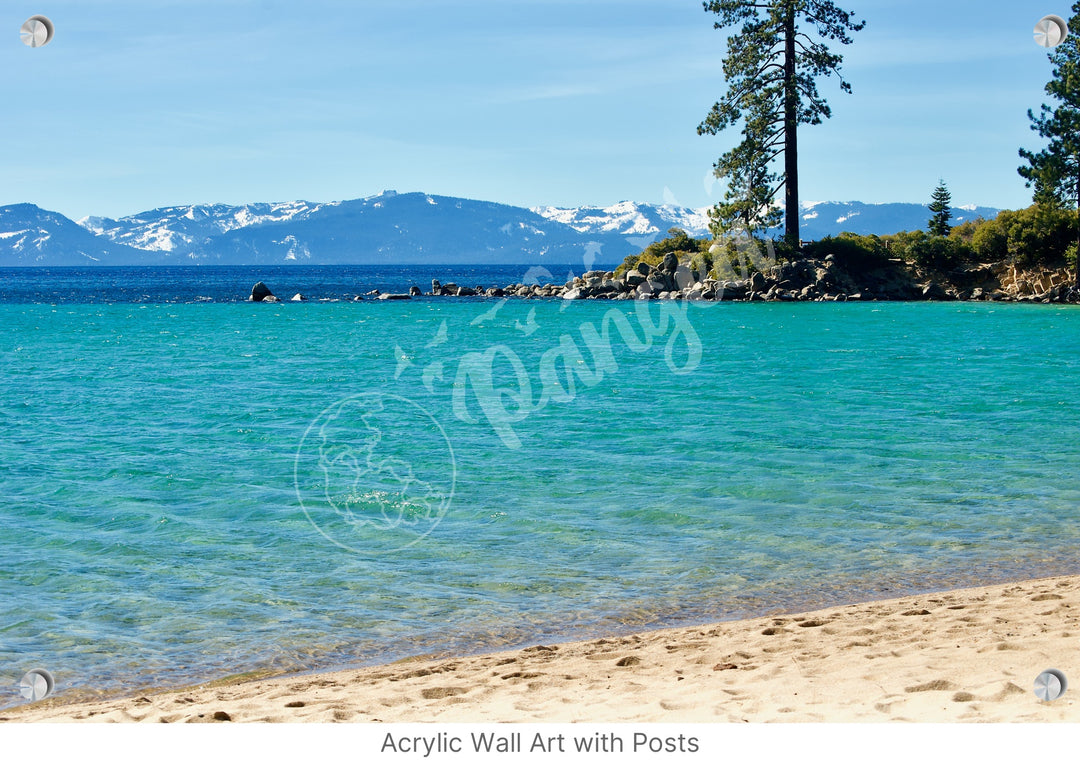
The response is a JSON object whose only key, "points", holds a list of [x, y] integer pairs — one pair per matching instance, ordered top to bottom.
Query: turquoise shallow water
{"points": [[188, 491]]}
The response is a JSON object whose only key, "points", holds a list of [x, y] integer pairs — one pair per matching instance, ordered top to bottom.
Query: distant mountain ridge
{"points": [[818, 219], [390, 228], [159, 229], [30, 236]]}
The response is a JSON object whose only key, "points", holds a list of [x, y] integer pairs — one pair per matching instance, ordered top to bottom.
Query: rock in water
{"points": [[259, 291], [415, 291], [299, 297]]}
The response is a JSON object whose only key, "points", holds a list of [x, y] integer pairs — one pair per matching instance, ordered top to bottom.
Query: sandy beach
{"points": [[965, 655]]}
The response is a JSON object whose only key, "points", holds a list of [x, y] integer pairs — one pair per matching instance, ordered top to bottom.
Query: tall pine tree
{"points": [[772, 66], [1055, 170], [942, 213]]}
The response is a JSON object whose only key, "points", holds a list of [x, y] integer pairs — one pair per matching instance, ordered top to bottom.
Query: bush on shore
{"points": [[1040, 235]]}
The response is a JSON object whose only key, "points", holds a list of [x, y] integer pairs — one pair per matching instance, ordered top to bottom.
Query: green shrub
{"points": [[1037, 236], [990, 240], [677, 242], [852, 252], [940, 254]]}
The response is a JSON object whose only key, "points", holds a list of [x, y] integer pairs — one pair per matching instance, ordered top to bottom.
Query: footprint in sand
{"points": [[520, 676], [932, 686], [1010, 690]]}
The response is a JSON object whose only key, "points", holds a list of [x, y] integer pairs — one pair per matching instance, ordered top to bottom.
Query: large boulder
{"points": [[670, 262], [793, 275], [684, 277], [634, 278], [661, 280], [732, 290], [259, 292]]}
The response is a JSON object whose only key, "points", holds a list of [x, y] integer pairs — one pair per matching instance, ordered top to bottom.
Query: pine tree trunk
{"points": [[791, 120], [791, 140], [1076, 263]]}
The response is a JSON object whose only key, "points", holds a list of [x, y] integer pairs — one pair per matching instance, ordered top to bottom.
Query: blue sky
{"points": [[137, 105]]}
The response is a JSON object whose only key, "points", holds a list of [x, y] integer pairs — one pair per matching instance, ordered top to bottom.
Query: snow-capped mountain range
{"points": [[396, 228], [173, 229]]}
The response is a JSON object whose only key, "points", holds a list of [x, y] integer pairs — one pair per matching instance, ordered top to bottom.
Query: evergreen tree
{"points": [[772, 66], [1055, 170], [939, 222]]}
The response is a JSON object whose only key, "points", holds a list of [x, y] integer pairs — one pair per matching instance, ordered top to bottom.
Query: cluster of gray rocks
{"points": [[801, 280]]}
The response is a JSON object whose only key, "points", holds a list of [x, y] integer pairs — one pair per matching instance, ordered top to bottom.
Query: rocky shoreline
{"points": [[800, 280]]}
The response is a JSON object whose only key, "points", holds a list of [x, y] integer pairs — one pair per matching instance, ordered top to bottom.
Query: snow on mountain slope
{"points": [[631, 218], [818, 219], [821, 219], [399, 228], [176, 229], [30, 236]]}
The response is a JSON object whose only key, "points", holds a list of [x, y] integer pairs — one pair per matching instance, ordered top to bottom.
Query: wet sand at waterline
{"points": [[964, 655]]}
